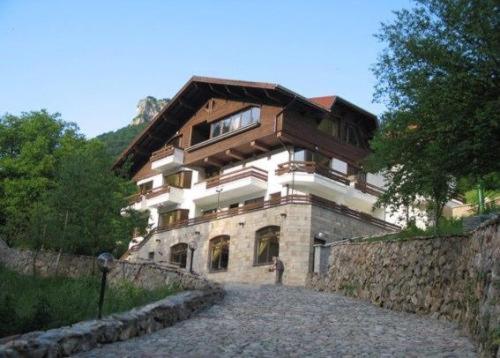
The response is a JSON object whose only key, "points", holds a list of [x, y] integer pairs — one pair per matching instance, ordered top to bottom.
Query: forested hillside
{"points": [[115, 142]]}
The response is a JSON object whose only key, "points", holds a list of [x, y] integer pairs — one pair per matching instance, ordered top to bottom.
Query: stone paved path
{"points": [[272, 321]]}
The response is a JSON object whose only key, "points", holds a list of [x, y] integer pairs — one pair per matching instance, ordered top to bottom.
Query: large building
{"points": [[249, 171]]}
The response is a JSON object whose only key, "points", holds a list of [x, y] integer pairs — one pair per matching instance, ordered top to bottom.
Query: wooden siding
{"points": [[297, 129], [264, 131]]}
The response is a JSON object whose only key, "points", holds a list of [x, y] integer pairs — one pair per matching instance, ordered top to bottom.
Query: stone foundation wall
{"points": [[298, 225], [146, 275], [455, 278]]}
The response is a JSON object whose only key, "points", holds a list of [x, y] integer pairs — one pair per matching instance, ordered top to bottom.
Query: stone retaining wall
{"points": [[146, 275], [456, 278], [86, 335]]}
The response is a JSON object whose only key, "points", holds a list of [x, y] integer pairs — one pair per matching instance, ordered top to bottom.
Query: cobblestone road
{"points": [[294, 322]]}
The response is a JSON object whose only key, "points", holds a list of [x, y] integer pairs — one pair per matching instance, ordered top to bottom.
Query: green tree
{"points": [[438, 76], [29, 146], [57, 190], [86, 203]]}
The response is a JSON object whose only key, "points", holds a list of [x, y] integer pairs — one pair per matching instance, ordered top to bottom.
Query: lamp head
{"points": [[193, 245], [105, 261]]}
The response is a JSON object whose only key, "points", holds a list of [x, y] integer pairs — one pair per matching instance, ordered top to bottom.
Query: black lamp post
{"points": [[192, 246], [105, 262]]}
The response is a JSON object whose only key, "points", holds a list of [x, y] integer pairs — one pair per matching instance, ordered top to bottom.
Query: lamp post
{"points": [[218, 190], [192, 246], [104, 262]]}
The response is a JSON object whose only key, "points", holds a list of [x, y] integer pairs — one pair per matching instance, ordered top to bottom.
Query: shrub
{"points": [[45, 303]]}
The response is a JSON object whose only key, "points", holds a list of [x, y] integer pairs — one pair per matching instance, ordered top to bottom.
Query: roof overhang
{"points": [[192, 96]]}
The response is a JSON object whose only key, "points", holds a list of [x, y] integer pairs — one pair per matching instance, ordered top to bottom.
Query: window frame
{"points": [[234, 122], [265, 233], [224, 241], [181, 248]]}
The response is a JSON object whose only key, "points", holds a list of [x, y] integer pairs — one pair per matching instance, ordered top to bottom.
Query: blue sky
{"points": [[93, 60]]}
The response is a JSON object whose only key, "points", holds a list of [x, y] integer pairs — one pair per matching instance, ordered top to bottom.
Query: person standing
{"points": [[279, 267]]}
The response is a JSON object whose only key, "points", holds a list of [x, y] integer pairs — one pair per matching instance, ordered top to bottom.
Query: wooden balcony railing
{"points": [[162, 152], [311, 168], [236, 175], [369, 188], [157, 191], [148, 194], [290, 199]]}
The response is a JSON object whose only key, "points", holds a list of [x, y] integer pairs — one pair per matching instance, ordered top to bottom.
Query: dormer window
{"points": [[235, 122]]}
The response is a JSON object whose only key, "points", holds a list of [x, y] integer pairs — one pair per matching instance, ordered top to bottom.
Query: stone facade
{"points": [[298, 223], [455, 278]]}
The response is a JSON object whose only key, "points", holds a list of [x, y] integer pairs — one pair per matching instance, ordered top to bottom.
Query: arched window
{"points": [[267, 244], [219, 253], [178, 254]]}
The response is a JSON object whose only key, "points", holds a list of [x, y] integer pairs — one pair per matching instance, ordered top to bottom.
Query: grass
{"points": [[446, 227], [29, 303]]}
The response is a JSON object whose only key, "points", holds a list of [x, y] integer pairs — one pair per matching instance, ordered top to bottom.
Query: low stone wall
{"points": [[146, 275], [455, 278], [86, 335]]}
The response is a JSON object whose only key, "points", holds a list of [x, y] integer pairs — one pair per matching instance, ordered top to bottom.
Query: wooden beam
{"points": [[257, 145], [141, 152], [234, 154], [213, 161]]}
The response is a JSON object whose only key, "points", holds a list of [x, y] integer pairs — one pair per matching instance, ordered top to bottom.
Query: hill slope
{"points": [[117, 141]]}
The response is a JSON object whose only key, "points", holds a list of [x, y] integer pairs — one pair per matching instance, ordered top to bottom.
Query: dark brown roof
{"points": [[198, 90], [191, 96]]}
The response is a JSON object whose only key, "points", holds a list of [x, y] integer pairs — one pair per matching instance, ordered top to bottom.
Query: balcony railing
{"points": [[162, 153], [311, 168], [236, 175], [369, 188], [157, 191], [148, 194], [290, 199]]}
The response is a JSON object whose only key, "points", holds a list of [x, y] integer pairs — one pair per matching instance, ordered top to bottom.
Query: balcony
{"points": [[167, 158], [313, 178], [230, 186], [156, 197], [291, 199]]}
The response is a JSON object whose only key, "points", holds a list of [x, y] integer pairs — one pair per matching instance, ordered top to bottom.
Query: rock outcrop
{"points": [[148, 108]]}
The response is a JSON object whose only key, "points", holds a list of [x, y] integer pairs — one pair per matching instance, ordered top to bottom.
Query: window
{"points": [[235, 122], [329, 126], [304, 155], [179, 180], [146, 187], [254, 203], [209, 211], [172, 217], [267, 244], [219, 253], [178, 254], [151, 255]]}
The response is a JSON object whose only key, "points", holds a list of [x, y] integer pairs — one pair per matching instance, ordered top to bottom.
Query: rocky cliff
{"points": [[147, 108]]}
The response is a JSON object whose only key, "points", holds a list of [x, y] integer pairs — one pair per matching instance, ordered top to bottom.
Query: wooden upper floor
{"points": [[216, 122]]}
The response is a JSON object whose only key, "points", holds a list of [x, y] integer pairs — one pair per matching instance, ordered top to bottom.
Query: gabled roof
{"points": [[198, 90], [194, 94]]}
